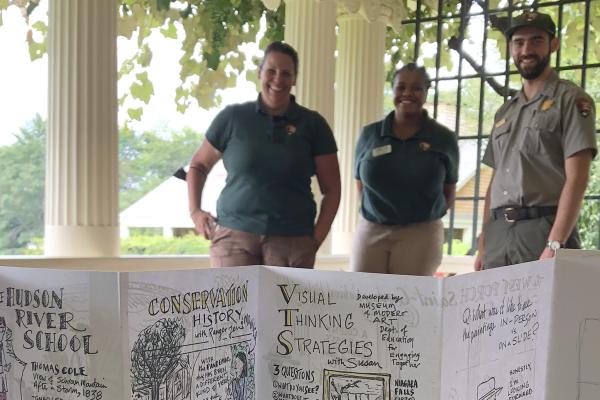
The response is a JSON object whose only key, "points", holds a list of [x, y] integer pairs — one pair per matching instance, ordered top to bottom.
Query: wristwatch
{"points": [[554, 245]]}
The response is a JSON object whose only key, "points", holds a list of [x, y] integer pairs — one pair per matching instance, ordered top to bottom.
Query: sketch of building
{"points": [[589, 360], [179, 382], [342, 385], [487, 390]]}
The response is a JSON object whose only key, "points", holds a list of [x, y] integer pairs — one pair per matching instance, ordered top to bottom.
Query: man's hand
{"points": [[547, 253], [478, 262], [478, 265]]}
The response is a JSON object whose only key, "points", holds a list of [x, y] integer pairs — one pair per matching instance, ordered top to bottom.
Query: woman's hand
{"points": [[202, 162], [327, 170], [204, 222]]}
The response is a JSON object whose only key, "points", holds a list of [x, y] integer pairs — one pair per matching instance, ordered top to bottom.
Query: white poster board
{"points": [[529, 331], [496, 333], [59, 335], [340, 336], [574, 355]]}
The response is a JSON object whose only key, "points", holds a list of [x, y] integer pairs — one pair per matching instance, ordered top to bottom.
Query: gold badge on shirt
{"points": [[547, 104], [584, 106], [500, 123], [291, 129], [424, 146]]}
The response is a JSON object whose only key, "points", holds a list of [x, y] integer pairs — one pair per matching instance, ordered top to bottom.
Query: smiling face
{"points": [[530, 49], [277, 77], [410, 92]]}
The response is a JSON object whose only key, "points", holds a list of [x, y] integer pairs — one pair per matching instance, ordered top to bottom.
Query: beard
{"points": [[535, 70]]}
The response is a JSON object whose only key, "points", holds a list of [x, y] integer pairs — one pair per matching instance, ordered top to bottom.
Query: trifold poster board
{"points": [[530, 331]]}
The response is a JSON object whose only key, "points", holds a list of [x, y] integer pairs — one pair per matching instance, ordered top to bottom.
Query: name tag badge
{"points": [[547, 104], [381, 150]]}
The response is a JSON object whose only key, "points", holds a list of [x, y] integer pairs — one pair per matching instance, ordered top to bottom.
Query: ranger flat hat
{"points": [[531, 19]]}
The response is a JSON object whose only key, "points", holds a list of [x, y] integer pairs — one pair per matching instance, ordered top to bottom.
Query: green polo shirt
{"points": [[531, 139], [269, 162], [403, 180]]}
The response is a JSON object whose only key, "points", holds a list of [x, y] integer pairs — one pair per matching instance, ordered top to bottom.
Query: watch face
{"points": [[554, 244]]}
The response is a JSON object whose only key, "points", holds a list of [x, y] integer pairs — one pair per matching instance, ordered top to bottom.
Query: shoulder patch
{"points": [[584, 106]]}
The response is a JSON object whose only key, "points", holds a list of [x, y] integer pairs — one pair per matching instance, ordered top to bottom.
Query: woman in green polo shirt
{"points": [[271, 148], [406, 173]]}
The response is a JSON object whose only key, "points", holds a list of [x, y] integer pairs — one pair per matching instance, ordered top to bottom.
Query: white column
{"points": [[310, 29], [358, 101], [82, 144]]}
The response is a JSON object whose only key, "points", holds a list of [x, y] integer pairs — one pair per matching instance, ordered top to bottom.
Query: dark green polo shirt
{"points": [[269, 162], [403, 180]]}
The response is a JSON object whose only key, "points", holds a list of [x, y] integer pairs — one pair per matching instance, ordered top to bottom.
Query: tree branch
{"points": [[454, 44]]}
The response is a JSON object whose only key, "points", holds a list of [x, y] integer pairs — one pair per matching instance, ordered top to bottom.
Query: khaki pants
{"points": [[508, 243], [231, 248], [414, 249]]}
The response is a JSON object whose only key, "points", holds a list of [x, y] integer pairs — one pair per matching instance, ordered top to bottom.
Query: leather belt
{"points": [[512, 214]]}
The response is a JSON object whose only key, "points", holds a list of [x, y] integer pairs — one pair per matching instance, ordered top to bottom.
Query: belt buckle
{"points": [[506, 211]]}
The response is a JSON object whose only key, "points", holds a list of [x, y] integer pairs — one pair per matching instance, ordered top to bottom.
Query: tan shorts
{"points": [[232, 248], [414, 249]]}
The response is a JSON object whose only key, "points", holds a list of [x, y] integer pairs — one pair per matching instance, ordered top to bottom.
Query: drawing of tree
{"points": [[155, 354]]}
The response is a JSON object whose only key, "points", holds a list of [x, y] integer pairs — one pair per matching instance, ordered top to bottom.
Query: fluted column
{"points": [[310, 29], [358, 100], [82, 144]]}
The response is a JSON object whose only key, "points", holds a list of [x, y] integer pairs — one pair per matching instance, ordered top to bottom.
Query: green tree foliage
{"points": [[149, 158], [146, 160], [22, 167], [589, 217], [189, 244]]}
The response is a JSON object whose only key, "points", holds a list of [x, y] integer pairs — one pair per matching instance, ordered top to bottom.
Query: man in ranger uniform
{"points": [[541, 148]]}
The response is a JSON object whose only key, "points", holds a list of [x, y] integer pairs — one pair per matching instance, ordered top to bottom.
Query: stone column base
{"points": [[81, 241]]}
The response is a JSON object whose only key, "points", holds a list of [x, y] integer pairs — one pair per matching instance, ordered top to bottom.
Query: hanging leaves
{"points": [[170, 31], [211, 34], [37, 49], [143, 88], [135, 113]]}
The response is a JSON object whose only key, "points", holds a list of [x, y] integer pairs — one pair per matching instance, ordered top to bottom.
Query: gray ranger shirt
{"points": [[531, 140]]}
